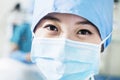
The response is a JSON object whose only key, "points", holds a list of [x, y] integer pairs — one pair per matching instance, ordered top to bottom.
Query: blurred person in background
{"points": [[116, 1], [16, 17], [21, 36], [69, 37], [19, 66]]}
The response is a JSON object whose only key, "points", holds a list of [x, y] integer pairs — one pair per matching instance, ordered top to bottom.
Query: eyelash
{"points": [[51, 27], [84, 32]]}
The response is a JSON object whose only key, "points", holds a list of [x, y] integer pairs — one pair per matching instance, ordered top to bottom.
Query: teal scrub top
{"points": [[22, 37]]}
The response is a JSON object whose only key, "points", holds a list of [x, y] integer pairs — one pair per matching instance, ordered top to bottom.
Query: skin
{"points": [[73, 27], [14, 47]]}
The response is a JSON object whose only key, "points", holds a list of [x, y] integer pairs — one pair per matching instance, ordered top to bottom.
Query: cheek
{"points": [[41, 33], [96, 39]]}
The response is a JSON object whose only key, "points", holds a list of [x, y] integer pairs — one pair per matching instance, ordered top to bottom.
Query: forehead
{"points": [[65, 18]]}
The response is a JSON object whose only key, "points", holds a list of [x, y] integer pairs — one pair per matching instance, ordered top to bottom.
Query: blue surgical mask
{"points": [[64, 59]]}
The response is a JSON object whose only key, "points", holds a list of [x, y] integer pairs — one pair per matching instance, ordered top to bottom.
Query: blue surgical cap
{"points": [[99, 12]]}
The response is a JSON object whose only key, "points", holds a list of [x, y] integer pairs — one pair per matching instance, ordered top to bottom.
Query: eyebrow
{"points": [[48, 17], [85, 22]]}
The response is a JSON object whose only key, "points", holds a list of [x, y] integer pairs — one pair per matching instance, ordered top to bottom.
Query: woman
{"points": [[69, 36]]}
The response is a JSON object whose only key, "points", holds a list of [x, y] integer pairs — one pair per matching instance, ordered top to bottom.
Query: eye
{"points": [[51, 27], [84, 32]]}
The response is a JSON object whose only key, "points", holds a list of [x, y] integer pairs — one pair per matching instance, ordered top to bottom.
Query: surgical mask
{"points": [[64, 59]]}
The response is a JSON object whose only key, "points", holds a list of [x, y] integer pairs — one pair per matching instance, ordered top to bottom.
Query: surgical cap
{"points": [[99, 12]]}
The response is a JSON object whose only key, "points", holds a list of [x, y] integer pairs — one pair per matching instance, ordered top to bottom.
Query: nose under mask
{"points": [[64, 59]]}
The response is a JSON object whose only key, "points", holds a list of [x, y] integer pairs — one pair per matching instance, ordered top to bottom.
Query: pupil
{"points": [[53, 28], [83, 32]]}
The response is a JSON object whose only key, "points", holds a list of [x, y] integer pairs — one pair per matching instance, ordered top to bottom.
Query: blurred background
{"points": [[6, 8], [110, 64]]}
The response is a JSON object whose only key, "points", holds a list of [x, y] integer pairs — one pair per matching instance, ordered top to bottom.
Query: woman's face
{"points": [[59, 25]]}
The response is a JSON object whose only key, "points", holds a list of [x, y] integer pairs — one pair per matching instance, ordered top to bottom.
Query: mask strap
{"points": [[33, 34], [106, 38], [91, 77]]}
